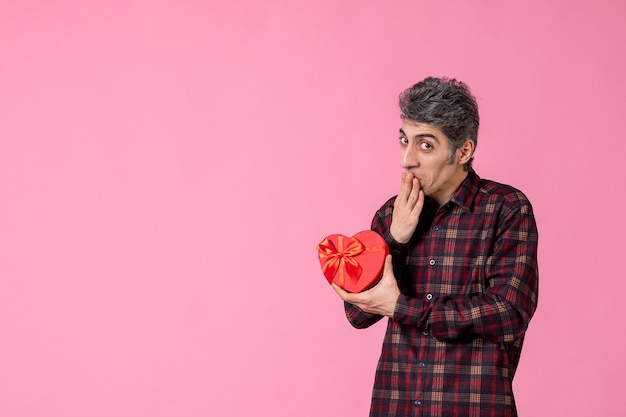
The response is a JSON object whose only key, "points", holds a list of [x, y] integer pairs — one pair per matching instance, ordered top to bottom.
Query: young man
{"points": [[460, 285]]}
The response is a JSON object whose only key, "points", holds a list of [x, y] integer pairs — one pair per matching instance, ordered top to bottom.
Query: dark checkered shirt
{"points": [[469, 285]]}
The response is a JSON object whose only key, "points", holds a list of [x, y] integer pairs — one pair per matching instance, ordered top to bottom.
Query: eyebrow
{"points": [[421, 135]]}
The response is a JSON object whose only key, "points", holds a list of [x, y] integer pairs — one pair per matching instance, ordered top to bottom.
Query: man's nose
{"points": [[409, 158]]}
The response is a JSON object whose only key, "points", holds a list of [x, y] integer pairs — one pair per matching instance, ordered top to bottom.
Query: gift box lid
{"points": [[353, 263]]}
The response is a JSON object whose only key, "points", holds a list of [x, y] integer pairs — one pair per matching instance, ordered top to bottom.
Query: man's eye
{"points": [[403, 140], [426, 146]]}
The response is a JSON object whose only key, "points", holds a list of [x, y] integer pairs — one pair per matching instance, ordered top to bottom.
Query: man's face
{"points": [[425, 152]]}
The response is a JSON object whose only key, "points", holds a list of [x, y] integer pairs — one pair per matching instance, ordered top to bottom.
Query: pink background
{"points": [[168, 167]]}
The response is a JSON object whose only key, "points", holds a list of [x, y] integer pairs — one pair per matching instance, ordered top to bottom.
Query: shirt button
{"points": [[436, 228], [396, 252], [431, 262], [429, 296], [425, 332], [422, 364], [418, 402]]}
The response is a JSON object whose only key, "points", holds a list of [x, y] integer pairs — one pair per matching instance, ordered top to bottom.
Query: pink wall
{"points": [[167, 168]]}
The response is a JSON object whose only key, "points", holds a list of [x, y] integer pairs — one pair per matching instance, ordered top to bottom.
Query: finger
{"points": [[406, 186], [414, 193], [419, 205], [388, 268], [387, 278], [338, 289], [345, 295]]}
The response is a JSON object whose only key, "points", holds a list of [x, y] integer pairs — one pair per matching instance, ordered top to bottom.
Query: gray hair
{"points": [[447, 104]]}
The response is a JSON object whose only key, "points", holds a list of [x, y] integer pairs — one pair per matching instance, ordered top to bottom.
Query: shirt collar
{"points": [[464, 196]]}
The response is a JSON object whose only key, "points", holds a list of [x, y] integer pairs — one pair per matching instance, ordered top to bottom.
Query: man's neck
{"points": [[454, 184]]}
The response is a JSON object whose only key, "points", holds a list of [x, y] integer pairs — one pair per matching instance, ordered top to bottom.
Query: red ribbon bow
{"points": [[340, 259]]}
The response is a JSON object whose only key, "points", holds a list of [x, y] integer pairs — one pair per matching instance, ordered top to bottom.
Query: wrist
{"points": [[401, 238], [392, 310]]}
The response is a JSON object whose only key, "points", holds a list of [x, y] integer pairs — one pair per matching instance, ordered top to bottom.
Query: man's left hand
{"points": [[381, 299]]}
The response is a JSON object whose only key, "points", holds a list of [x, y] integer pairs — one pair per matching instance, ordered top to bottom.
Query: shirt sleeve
{"points": [[380, 224], [503, 312]]}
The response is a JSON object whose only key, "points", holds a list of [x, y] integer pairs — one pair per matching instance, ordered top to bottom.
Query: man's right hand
{"points": [[407, 208]]}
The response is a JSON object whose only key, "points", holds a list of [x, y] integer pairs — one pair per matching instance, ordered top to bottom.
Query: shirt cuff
{"points": [[395, 248], [411, 311]]}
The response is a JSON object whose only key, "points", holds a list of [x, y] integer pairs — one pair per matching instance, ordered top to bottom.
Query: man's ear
{"points": [[465, 151]]}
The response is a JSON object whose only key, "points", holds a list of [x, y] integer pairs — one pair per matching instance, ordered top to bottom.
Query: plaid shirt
{"points": [[469, 285]]}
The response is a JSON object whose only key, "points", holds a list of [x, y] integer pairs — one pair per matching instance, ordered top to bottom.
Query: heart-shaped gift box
{"points": [[354, 263]]}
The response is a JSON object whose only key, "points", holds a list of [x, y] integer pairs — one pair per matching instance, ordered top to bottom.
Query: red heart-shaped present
{"points": [[354, 263]]}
